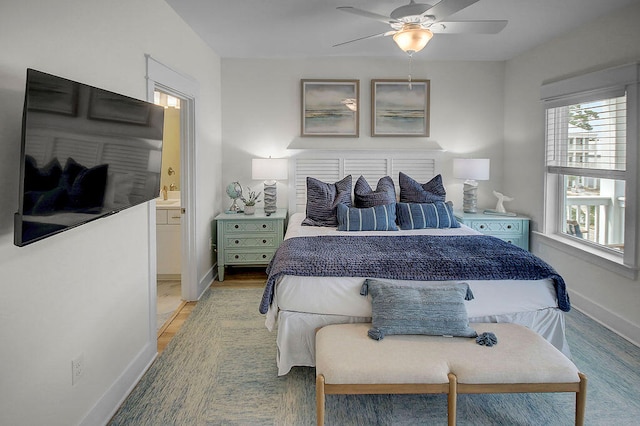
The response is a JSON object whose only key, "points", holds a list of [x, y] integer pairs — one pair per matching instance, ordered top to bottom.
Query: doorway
{"points": [[168, 81], [168, 215]]}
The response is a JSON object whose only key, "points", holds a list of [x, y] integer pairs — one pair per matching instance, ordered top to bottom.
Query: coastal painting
{"points": [[400, 107], [330, 108]]}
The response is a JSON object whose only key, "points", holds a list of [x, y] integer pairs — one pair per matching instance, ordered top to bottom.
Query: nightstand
{"points": [[513, 229], [249, 240]]}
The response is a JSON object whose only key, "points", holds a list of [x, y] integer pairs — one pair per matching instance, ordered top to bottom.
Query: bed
{"points": [[298, 301]]}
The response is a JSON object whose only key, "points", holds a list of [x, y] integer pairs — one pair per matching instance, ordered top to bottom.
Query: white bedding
{"points": [[301, 304]]}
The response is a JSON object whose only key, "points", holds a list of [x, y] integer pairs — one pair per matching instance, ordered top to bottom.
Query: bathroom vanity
{"points": [[168, 236]]}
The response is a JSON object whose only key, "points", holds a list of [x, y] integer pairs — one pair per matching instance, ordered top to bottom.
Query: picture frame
{"points": [[53, 94], [104, 105], [400, 107], [329, 108]]}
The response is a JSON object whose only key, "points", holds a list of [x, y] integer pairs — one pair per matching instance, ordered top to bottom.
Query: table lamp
{"points": [[269, 170], [472, 170]]}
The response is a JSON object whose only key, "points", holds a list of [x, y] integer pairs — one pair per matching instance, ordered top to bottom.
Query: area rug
{"points": [[220, 369]]}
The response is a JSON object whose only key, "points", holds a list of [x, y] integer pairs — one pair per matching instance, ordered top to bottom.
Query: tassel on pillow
{"points": [[487, 339]]}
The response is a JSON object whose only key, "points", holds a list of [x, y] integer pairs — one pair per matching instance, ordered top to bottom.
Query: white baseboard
{"points": [[206, 281], [613, 322], [108, 404]]}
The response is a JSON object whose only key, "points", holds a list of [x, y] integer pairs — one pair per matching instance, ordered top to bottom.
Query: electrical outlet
{"points": [[77, 369]]}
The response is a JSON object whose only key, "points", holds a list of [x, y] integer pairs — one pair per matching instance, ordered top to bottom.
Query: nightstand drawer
{"points": [[252, 226], [513, 226], [516, 240], [244, 241], [247, 256]]}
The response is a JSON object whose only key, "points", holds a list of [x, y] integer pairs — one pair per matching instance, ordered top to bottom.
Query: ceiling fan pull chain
{"points": [[410, 70]]}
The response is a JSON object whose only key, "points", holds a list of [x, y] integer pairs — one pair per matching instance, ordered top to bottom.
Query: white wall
{"points": [[613, 40], [261, 113], [86, 291]]}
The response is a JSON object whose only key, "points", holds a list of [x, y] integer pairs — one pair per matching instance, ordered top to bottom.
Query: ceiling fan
{"points": [[414, 24]]}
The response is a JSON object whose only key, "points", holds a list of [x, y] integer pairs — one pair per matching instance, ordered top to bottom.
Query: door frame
{"points": [[167, 80]]}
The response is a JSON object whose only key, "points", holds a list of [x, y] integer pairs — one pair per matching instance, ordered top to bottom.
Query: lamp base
{"points": [[470, 197], [270, 198]]}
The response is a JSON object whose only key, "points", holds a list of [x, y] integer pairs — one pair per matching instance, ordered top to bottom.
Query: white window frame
{"points": [[582, 88]]}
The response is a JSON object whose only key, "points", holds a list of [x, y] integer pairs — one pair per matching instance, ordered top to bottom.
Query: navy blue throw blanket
{"points": [[409, 257]]}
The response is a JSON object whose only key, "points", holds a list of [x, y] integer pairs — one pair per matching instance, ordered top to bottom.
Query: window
{"points": [[591, 161]]}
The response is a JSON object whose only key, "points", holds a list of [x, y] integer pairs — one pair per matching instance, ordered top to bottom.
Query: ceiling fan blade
{"points": [[447, 7], [366, 14], [468, 27], [388, 33]]}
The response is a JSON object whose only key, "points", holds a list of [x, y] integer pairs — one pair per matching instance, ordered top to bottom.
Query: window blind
{"points": [[588, 139]]}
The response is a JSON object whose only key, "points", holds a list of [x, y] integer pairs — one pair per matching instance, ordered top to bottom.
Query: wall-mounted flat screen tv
{"points": [[86, 153]]}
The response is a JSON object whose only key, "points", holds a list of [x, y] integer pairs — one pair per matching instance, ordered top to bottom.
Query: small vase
{"points": [[249, 209]]}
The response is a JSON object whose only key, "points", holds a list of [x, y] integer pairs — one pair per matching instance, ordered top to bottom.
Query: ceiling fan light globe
{"points": [[412, 39]]}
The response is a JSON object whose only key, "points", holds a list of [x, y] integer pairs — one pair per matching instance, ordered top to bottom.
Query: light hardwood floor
{"points": [[234, 277]]}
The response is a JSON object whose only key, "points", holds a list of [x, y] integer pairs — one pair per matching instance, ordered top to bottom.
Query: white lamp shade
{"points": [[269, 168], [471, 168]]}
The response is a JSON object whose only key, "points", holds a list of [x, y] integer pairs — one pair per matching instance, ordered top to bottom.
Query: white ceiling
{"points": [[309, 28]]}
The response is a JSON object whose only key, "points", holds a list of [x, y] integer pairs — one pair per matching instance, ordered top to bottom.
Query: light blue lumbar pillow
{"points": [[426, 215], [378, 218], [434, 309]]}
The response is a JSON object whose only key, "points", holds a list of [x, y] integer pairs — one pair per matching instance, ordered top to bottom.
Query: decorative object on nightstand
{"points": [[270, 170], [472, 170], [234, 191], [250, 202], [500, 210], [512, 229], [248, 240]]}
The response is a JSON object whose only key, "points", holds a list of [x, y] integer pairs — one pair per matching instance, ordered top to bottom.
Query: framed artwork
{"points": [[53, 94], [105, 105], [330, 108], [400, 108]]}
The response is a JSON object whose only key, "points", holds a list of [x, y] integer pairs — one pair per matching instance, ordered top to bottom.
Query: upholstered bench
{"points": [[348, 361]]}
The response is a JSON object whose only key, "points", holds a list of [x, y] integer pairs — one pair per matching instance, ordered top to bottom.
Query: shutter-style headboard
{"points": [[332, 166]]}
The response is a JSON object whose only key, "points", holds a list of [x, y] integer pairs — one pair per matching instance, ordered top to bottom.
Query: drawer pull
{"points": [[236, 226], [264, 226], [481, 226], [508, 226], [237, 241], [264, 241], [236, 256], [264, 256]]}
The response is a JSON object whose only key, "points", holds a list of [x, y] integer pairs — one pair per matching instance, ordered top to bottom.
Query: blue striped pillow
{"points": [[426, 215], [377, 218]]}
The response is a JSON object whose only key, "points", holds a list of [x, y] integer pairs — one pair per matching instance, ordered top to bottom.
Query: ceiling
{"points": [[309, 28]]}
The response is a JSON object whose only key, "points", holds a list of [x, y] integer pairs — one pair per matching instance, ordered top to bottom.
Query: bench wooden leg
{"points": [[452, 399], [320, 400], [581, 400]]}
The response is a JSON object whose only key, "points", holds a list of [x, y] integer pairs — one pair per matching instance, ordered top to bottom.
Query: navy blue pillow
{"points": [[412, 191], [364, 196], [323, 200], [426, 215], [378, 218]]}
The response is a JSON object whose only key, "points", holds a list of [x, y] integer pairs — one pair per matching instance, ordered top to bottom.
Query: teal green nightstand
{"points": [[513, 229], [248, 240]]}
